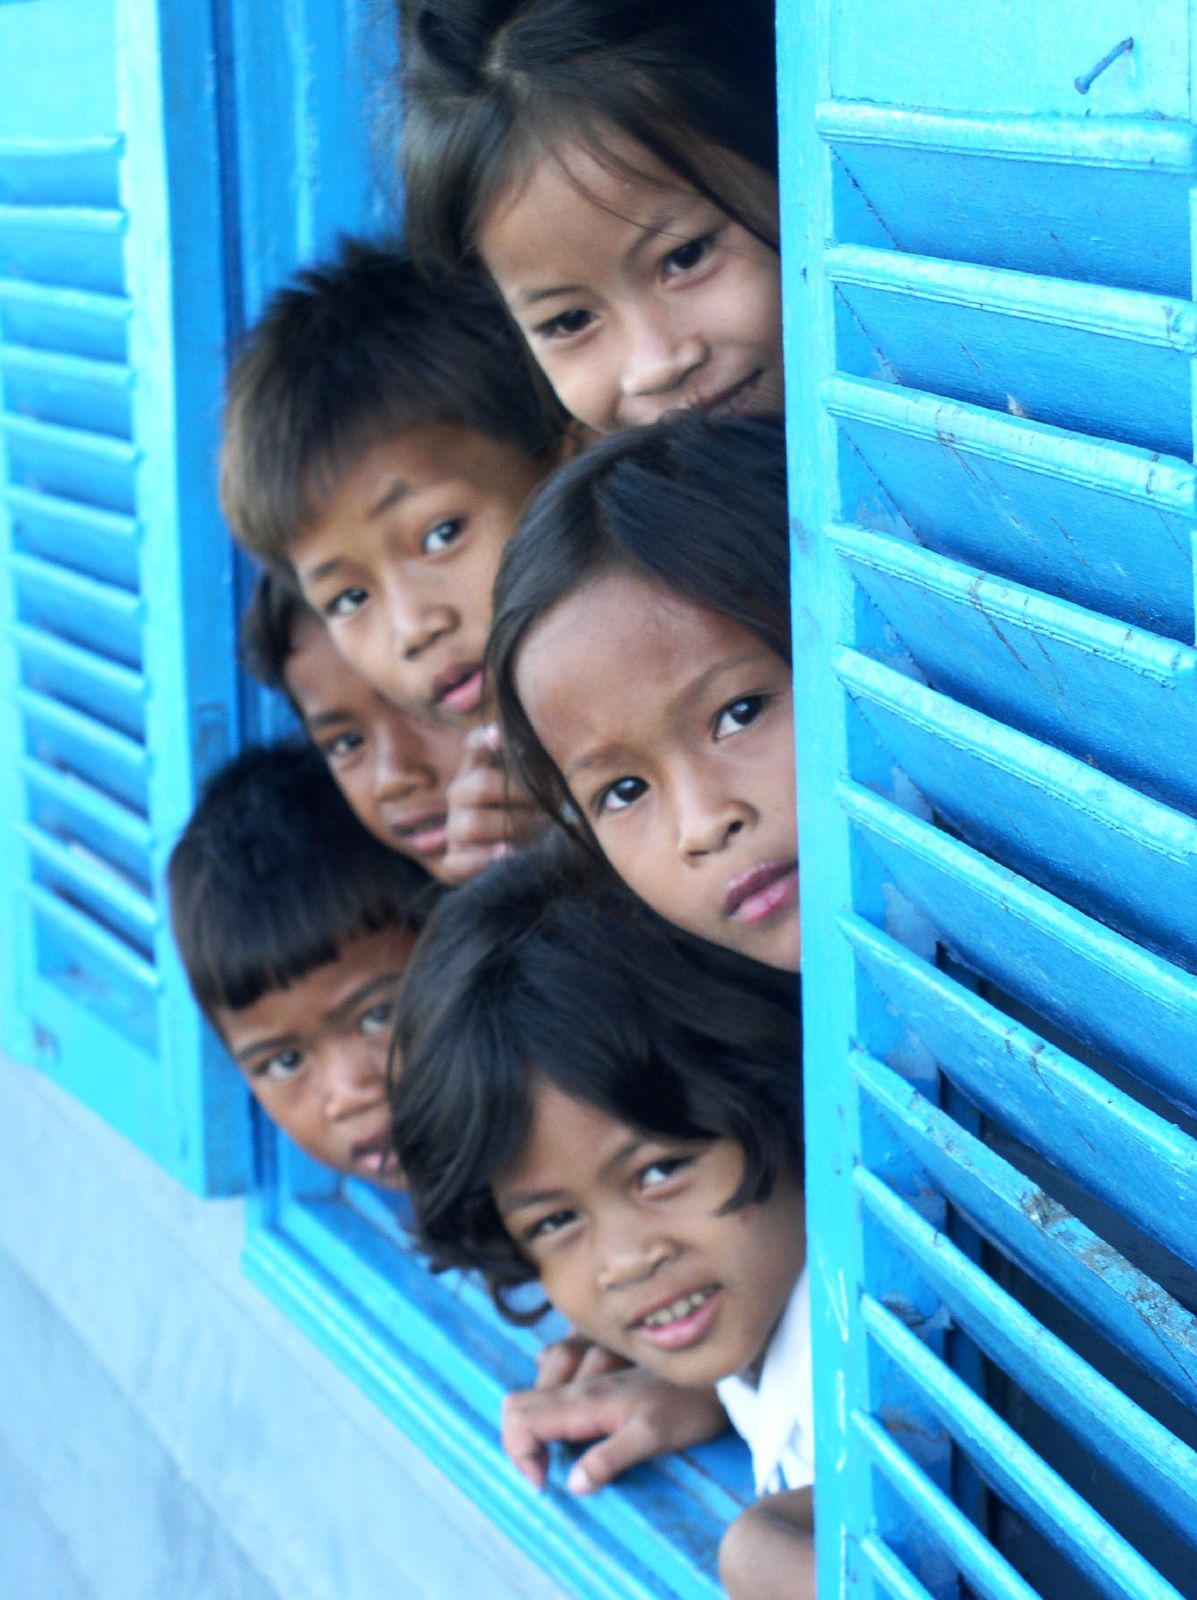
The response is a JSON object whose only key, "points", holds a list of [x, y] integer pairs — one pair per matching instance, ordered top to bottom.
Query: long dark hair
{"points": [[489, 85], [696, 506], [531, 975]]}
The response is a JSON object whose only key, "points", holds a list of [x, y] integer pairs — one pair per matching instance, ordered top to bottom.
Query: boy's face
{"points": [[402, 562], [392, 767], [315, 1054], [625, 1232]]}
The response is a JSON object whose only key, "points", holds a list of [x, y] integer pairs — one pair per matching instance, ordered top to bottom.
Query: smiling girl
{"points": [[612, 163], [640, 654], [566, 1114]]}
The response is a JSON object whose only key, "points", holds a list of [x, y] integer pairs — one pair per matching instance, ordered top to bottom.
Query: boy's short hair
{"points": [[350, 354], [267, 634], [273, 875], [532, 972]]}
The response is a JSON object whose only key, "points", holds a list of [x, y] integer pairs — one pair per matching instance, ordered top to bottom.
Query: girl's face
{"points": [[637, 295], [673, 729], [629, 1239]]}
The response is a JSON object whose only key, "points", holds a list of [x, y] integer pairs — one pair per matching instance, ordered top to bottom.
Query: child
{"points": [[613, 165], [382, 435], [641, 659], [407, 778], [294, 924], [567, 1113]]}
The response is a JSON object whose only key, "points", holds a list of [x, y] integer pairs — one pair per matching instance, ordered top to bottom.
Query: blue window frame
{"points": [[988, 283]]}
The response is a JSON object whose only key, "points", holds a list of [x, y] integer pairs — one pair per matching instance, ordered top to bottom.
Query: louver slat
{"points": [[1094, 202], [1111, 362], [1105, 525], [1116, 697], [1103, 847], [1123, 1001], [1052, 1102], [1009, 1209], [1143, 1452], [1040, 1494]]}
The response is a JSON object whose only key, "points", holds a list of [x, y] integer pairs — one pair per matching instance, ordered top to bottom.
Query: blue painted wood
{"points": [[1095, 200], [1110, 362], [1033, 502], [121, 644], [1118, 698], [1103, 847], [1128, 1004], [1141, 1164], [1017, 1216], [1148, 1458], [1033, 1488], [986, 1571], [889, 1572]]}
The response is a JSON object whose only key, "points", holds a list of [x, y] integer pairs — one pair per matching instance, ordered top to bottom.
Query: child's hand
{"points": [[489, 814], [575, 1356], [634, 1414], [768, 1553]]}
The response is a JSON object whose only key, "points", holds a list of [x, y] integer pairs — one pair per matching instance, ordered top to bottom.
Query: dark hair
{"points": [[488, 85], [352, 353], [694, 505], [267, 635], [273, 874], [526, 975]]}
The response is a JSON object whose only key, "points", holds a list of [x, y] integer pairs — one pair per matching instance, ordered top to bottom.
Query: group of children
{"points": [[514, 926]]}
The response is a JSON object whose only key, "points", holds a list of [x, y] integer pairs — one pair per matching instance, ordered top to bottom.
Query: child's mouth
{"points": [[736, 401], [460, 690], [427, 836], [755, 896], [683, 1322]]}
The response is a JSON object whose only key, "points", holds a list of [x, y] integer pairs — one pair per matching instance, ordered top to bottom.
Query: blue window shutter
{"points": [[990, 350], [119, 638]]}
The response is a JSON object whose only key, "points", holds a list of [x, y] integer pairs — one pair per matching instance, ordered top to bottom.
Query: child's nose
{"points": [[658, 355], [416, 623], [399, 765], [707, 819], [352, 1080], [631, 1249]]}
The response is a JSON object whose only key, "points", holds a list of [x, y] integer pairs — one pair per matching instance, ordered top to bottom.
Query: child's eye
{"points": [[689, 255], [566, 324], [442, 536], [346, 603], [740, 714], [342, 746], [618, 796], [377, 1019], [280, 1067], [659, 1172], [543, 1227]]}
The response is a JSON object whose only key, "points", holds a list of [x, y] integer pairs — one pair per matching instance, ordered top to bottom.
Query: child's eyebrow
{"points": [[656, 225], [394, 491], [692, 691], [325, 719], [345, 1007], [259, 1047], [521, 1199]]}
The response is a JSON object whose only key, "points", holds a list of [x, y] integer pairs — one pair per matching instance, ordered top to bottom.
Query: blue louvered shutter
{"points": [[990, 359], [118, 664]]}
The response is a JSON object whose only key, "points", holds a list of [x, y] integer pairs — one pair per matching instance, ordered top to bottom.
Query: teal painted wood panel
{"points": [[117, 666]]}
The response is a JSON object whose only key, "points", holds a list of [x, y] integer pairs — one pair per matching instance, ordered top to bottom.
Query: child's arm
{"points": [[488, 813], [634, 1414], [768, 1553]]}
